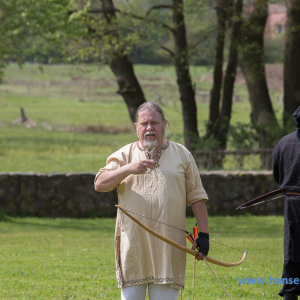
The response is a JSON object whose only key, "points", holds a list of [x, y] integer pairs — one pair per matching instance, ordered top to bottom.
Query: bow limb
{"points": [[260, 199], [180, 247]]}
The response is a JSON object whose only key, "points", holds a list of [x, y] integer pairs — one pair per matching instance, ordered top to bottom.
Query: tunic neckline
{"points": [[158, 155]]}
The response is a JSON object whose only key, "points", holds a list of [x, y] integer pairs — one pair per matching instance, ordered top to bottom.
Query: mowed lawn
{"points": [[74, 259]]}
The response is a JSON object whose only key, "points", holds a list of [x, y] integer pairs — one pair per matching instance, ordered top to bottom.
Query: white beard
{"points": [[150, 145]]}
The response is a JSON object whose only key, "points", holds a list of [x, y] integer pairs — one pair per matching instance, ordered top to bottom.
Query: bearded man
{"points": [[155, 178]]}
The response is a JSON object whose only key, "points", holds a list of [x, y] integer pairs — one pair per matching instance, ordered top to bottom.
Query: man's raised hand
{"points": [[140, 166]]}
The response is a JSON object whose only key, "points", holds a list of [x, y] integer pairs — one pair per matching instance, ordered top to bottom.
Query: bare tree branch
{"points": [[157, 7], [106, 10], [206, 35], [168, 50]]}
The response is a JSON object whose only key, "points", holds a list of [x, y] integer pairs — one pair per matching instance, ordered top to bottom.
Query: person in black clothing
{"points": [[286, 171]]}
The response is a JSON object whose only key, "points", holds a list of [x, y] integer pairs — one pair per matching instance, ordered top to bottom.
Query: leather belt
{"points": [[293, 193]]}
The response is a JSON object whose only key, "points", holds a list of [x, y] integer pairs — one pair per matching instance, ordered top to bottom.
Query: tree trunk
{"points": [[252, 44], [292, 61], [121, 66], [230, 75], [129, 87], [186, 90], [215, 93]]}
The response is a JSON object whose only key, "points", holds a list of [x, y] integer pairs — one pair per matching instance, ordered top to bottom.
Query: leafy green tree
{"points": [[223, 8], [22, 19], [63, 23], [111, 40], [115, 53], [253, 67], [230, 74]]}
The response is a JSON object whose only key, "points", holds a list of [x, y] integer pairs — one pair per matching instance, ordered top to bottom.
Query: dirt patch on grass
{"points": [[99, 128]]}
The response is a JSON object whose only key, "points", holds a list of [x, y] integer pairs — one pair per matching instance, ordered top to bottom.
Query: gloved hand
{"points": [[203, 242]]}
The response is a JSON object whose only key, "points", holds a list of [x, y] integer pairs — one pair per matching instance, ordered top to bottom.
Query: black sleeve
{"points": [[275, 165], [276, 174]]}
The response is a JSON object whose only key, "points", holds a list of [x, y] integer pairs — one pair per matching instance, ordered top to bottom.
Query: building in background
{"points": [[276, 20]]}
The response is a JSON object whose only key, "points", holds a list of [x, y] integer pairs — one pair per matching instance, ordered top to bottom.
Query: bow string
{"points": [[180, 247]]}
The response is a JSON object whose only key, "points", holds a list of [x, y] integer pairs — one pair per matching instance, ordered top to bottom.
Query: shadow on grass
{"points": [[220, 227]]}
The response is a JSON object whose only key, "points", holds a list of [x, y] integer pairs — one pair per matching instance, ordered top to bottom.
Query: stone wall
{"points": [[228, 190], [72, 194]]}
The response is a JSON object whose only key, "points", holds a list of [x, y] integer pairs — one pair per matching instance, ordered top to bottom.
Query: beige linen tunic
{"points": [[162, 195]]}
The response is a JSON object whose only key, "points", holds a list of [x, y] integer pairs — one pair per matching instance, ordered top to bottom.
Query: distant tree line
{"points": [[147, 51]]}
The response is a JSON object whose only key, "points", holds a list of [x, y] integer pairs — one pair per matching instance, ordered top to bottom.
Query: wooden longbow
{"points": [[180, 247]]}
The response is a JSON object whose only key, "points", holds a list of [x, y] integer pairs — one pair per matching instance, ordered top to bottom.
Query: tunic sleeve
{"points": [[114, 161], [194, 189]]}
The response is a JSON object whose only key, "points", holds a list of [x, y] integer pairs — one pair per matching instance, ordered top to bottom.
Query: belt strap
{"points": [[293, 193]]}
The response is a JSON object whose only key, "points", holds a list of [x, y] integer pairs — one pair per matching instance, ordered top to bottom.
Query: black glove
{"points": [[203, 242]]}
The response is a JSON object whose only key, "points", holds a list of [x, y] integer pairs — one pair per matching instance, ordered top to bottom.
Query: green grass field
{"points": [[65, 98], [74, 259]]}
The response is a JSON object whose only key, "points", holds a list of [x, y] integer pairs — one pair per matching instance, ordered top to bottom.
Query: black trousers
{"points": [[291, 266], [290, 270]]}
